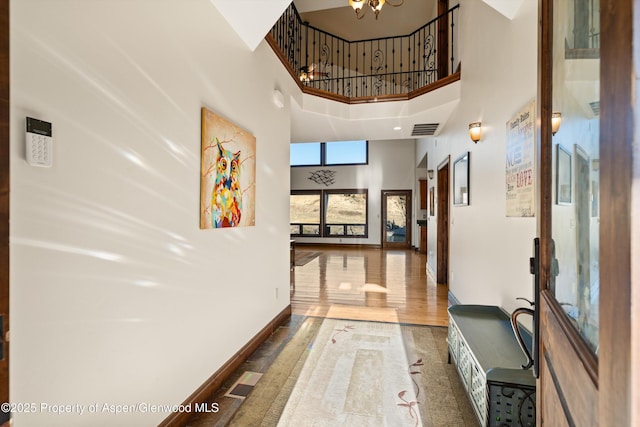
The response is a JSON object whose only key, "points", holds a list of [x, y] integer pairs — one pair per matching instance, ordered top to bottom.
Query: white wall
{"points": [[391, 167], [489, 253], [117, 296]]}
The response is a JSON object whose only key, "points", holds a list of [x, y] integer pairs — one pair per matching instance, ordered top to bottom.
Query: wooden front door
{"points": [[584, 223]]}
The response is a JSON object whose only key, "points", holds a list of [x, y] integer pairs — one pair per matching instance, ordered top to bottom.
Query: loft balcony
{"points": [[582, 40], [581, 64], [381, 69]]}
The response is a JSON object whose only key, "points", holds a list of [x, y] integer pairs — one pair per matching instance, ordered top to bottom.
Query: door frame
{"points": [[617, 98], [5, 108], [442, 212], [383, 221]]}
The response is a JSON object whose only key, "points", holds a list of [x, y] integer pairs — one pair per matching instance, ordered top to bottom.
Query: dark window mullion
{"points": [[323, 153], [323, 211]]}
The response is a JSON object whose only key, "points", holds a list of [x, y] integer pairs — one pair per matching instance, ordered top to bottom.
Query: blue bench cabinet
{"points": [[484, 349]]}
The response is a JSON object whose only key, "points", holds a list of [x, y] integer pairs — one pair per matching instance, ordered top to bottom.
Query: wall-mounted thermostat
{"points": [[39, 143]]}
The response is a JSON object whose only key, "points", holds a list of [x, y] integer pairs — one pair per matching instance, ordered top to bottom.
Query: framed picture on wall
{"points": [[227, 174], [563, 175], [461, 180]]}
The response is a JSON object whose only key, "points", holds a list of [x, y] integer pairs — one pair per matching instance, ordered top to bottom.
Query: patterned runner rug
{"points": [[353, 373]]}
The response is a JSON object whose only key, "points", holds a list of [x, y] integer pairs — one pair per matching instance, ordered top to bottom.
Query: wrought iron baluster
{"points": [[430, 57], [377, 61], [413, 62], [389, 65], [342, 68], [451, 70], [323, 74]]}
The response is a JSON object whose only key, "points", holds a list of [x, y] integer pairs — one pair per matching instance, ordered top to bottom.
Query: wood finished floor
{"points": [[347, 283], [387, 285]]}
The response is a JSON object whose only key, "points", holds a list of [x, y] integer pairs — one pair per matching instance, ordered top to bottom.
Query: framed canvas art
{"points": [[227, 174]]}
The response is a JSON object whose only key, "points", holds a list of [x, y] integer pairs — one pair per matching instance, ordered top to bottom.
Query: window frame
{"points": [[323, 156], [321, 163], [324, 210], [301, 225], [324, 231]]}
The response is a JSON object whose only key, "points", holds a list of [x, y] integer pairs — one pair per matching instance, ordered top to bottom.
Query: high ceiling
{"points": [[338, 18], [316, 119]]}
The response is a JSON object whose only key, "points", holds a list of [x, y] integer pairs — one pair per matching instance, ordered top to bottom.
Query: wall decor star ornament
{"points": [[323, 176]]}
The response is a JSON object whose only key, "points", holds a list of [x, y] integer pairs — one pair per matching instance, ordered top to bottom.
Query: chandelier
{"points": [[376, 6]]}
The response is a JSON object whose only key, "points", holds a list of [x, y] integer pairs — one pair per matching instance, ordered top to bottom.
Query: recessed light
{"points": [[397, 128]]}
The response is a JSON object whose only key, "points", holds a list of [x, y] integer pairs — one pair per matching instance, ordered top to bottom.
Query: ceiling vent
{"points": [[595, 107], [425, 129]]}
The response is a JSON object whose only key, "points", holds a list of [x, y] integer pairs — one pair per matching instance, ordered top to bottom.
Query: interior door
{"points": [[585, 180], [396, 218], [442, 248]]}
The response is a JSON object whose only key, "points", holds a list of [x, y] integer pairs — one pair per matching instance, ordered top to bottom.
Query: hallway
{"points": [[367, 284]]}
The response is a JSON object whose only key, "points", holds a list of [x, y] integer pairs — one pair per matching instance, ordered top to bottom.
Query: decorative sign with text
{"points": [[520, 169]]}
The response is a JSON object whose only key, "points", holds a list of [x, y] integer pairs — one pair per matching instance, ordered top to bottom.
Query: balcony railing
{"points": [[584, 42], [390, 68]]}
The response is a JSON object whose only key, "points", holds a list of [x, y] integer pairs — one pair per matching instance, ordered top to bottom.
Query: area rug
{"points": [[304, 257], [350, 373], [355, 375]]}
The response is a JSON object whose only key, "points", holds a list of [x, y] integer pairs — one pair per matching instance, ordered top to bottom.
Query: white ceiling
{"points": [[508, 8], [251, 19], [316, 119]]}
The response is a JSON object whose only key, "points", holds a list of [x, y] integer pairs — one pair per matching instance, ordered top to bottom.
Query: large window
{"points": [[330, 153], [304, 208], [329, 213]]}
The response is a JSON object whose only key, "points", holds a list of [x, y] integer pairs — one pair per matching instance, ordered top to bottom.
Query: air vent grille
{"points": [[595, 107], [425, 129]]}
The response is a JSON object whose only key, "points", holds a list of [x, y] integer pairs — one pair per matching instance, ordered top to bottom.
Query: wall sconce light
{"points": [[556, 120], [475, 131], [430, 173]]}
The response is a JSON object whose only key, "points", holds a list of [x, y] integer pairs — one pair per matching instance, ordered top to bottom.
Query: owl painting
{"points": [[227, 185], [226, 199]]}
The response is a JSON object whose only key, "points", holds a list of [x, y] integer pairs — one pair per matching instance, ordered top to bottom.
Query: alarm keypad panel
{"points": [[39, 143]]}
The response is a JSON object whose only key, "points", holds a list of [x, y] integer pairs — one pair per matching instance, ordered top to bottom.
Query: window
{"points": [[330, 153], [346, 153], [308, 154], [304, 208], [342, 213], [345, 213]]}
